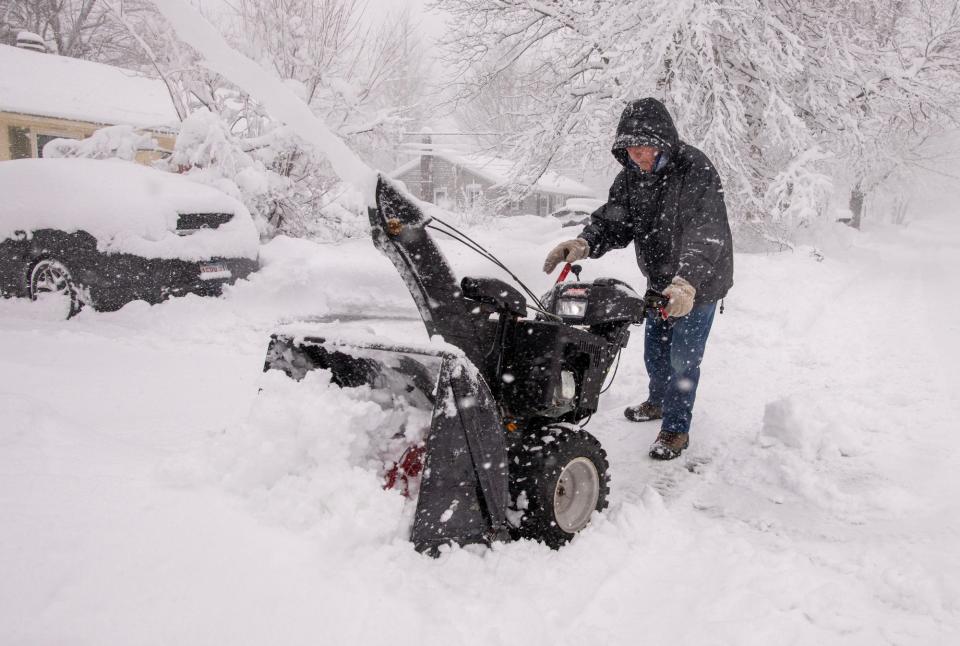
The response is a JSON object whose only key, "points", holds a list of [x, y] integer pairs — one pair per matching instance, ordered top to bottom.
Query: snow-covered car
{"points": [[576, 211], [102, 233]]}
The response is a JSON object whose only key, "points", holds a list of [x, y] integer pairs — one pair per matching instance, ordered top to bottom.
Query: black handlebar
{"points": [[654, 303]]}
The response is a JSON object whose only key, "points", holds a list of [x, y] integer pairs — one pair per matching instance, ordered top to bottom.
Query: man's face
{"points": [[643, 156]]}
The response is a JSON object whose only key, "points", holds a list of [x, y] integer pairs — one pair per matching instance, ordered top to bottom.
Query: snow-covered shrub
{"points": [[122, 142], [208, 152], [284, 185], [798, 194], [316, 203], [326, 210], [475, 212]]}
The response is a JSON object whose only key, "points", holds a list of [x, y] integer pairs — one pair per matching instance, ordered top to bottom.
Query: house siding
{"points": [[19, 133], [455, 182]]}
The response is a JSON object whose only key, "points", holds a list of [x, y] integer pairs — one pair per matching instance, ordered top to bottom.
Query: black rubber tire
{"points": [[72, 289], [535, 467]]}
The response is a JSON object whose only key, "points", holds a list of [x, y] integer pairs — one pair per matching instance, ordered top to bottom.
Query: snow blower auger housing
{"points": [[505, 455]]}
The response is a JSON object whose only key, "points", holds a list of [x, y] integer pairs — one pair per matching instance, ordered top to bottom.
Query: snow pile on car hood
{"points": [[127, 207]]}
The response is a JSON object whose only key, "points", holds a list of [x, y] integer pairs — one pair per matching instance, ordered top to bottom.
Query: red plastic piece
{"points": [[410, 465]]}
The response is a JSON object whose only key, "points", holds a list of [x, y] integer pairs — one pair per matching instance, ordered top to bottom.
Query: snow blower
{"points": [[505, 455]]}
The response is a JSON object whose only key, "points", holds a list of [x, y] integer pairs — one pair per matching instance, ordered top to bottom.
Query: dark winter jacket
{"points": [[676, 217]]}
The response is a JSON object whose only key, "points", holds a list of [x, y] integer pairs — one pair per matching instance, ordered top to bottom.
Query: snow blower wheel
{"points": [[561, 479]]}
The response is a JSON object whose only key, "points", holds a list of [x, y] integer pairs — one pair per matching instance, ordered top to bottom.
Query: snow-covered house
{"points": [[44, 96], [460, 180]]}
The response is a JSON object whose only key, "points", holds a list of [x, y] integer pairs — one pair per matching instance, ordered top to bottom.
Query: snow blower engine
{"points": [[504, 455]]}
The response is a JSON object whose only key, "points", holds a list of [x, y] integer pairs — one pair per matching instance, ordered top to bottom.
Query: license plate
{"points": [[214, 271]]}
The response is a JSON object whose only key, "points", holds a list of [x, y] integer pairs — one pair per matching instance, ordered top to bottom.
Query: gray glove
{"points": [[569, 251], [681, 295]]}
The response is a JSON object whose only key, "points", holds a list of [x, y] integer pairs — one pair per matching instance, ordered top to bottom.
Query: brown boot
{"points": [[643, 412], [669, 445]]}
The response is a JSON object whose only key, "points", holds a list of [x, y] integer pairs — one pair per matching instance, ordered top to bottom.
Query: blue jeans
{"points": [[672, 351]]}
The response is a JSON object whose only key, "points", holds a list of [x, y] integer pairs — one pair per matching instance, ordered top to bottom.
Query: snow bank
{"points": [[127, 207], [801, 424], [801, 440], [313, 456]]}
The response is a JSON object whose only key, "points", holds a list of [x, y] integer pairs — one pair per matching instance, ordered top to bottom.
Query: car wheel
{"points": [[52, 284]]}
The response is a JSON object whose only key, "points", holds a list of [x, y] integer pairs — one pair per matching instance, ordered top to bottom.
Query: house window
{"points": [[20, 144], [440, 196], [543, 205]]}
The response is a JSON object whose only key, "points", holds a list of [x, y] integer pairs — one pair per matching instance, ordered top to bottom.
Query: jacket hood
{"points": [[645, 122]]}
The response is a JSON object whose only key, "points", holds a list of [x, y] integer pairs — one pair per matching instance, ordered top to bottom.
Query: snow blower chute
{"points": [[505, 455]]}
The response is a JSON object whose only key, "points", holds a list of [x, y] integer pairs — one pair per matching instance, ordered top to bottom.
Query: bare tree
{"points": [[76, 28], [727, 85], [782, 94], [877, 106], [500, 108]]}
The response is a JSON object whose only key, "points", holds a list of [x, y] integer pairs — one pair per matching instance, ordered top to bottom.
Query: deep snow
{"points": [[149, 493]]}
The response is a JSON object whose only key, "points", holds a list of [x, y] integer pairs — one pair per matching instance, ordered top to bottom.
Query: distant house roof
{"points": [[48, 85], [498, 170]]}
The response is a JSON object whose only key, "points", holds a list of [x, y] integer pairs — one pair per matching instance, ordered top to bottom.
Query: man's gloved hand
{"points": [[569, 251], [681, 294]]}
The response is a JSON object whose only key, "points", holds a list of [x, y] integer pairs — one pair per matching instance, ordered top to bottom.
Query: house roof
{"points": [[48, 85], [499, 171]]}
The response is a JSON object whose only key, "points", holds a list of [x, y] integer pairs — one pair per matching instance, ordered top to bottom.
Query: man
{"points": [[668, 201]]}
